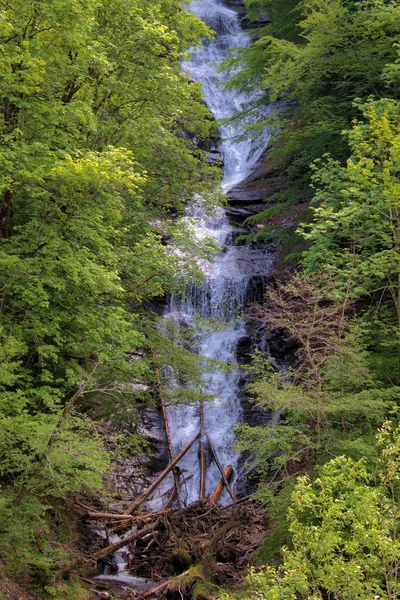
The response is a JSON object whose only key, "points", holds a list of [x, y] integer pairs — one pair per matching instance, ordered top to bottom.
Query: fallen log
{"points": [[167, 431], [202, 455], [221, 470], [162, 476], [219, 489], [110, 516], [142, 518], [125, 541], [104, 595]]}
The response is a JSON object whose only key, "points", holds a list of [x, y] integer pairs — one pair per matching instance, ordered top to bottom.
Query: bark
{"points": [[167, 432], [202, 455], [221, 470], [162, 476], [219, 489], [100, 515], [127, 540]]}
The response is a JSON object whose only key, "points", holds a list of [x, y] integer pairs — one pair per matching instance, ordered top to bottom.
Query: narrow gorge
{"points": [[234, 279]]}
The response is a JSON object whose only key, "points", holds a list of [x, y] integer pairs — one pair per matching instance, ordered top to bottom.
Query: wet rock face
{"points": [[236, 5], [241, 9], [215, 156], [262, 183], [245, 193], [134, 473]]}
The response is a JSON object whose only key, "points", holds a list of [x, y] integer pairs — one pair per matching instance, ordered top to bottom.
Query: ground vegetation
{"points": [[332, 70]]}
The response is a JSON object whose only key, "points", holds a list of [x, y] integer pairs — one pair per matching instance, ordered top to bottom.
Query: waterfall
{"points": [[240, 157], [225, 290]]}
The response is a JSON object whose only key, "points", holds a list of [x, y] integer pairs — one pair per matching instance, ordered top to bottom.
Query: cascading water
{"points": [[240, 157], [224, 293]]}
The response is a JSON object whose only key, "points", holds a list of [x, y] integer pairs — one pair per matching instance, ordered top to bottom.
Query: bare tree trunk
{"points": [[6, 213], [167, 431], [202, 455], [221, 470], [162, 476], [219, 489]]}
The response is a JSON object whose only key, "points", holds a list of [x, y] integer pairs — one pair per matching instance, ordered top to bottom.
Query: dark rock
{"points": [[236, 5], [241, 9], [261, 21], [216, 156], [247, 193], [238, 214], [243, 350], [133, 474]]}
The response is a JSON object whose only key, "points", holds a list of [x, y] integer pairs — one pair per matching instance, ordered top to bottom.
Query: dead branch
{"points": [[167, 431], [202, 455], [221, 470], [162, 476], [219, 489], [172, 492], [101, 515], [143, 518], [127, 540], [163, 586]]}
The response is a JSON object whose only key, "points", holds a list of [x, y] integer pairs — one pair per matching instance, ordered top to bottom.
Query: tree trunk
{"points": [[6, 214], [167, 432], [202, 457], [221, 470], [162, 476], [219, 489], [124, 542]]}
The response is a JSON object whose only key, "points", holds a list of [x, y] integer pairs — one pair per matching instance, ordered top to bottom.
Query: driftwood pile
{"points": [[221, 539], [186, 544], [177, 548]]}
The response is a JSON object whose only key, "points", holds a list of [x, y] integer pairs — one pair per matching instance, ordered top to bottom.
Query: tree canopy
{"points": [[100, 137]]}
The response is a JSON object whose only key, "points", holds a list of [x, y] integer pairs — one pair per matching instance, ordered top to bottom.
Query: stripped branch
{"points": [[221, 470], [161, 477], [125, 541]]}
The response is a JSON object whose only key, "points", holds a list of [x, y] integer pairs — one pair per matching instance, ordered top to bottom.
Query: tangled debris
{"points": [[188, 552]]}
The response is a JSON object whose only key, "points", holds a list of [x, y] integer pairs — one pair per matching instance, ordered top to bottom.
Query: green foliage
{"points": [[284, 17], [313, 60], [96, 121], [356, 217], [327, 403], [344, 533]]}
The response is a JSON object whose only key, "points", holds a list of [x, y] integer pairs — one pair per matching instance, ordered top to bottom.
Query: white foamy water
{"points": [[240, 158]]}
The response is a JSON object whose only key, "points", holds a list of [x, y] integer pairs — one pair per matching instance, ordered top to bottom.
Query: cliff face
{"points": [[240, 7]]}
